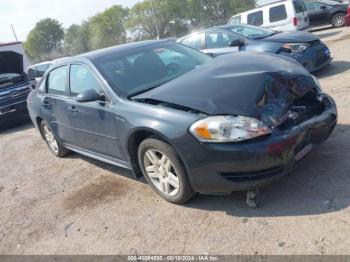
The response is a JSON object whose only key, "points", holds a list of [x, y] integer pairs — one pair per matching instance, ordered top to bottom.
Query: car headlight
{"points": [[295, 47], [221, 129]]}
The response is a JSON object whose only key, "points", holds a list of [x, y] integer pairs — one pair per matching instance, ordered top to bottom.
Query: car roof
{"points": [[222, 27], [119, 48]]}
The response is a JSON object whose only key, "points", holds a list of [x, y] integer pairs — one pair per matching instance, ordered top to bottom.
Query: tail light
{"points": [[349, 10], [295, 21]]}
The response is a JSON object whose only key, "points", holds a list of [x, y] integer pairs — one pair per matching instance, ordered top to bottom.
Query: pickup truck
{"points": [[14, 86]]}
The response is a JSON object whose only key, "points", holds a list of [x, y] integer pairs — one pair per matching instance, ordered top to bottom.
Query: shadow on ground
{"points": [[319, 29], [329, 34], [335, 68], [16, 125], [320, 184]]}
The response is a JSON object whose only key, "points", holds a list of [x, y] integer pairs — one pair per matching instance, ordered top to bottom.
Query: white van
{"points": [[288, 15]]}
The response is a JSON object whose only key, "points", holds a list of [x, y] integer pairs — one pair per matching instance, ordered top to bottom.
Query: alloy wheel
{"points": [[339, 21], [50, 138], [161, 172]]}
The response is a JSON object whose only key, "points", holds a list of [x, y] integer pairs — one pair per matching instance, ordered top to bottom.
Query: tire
{"points": [[338, 20], [52, 142], [166, 174]]}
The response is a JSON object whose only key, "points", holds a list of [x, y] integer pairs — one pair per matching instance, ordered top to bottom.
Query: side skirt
{"points": [[100, 157]]}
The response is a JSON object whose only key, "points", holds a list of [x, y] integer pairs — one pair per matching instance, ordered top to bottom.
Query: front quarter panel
{"points": [[262, 46], [170, 124]]}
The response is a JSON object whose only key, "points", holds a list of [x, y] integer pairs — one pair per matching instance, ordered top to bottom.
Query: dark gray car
{"points": [[304, 47], [187, 122]]}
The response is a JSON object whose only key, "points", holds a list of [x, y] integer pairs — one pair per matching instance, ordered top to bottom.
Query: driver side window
{"points": [[219, 39], [81, 79]]}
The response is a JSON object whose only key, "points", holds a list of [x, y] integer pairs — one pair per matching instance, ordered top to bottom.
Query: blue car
{"points": [[304, 47], [186, 122]]}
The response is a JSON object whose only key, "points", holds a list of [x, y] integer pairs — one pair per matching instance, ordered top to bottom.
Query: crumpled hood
{"points": [[292, 37], [255, 85]]}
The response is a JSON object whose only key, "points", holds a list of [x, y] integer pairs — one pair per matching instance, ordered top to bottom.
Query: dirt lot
{"points": [[77, 205]]}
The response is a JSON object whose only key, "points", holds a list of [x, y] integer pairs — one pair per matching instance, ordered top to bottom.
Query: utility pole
{"points": [[155, 19], [14, 33]]}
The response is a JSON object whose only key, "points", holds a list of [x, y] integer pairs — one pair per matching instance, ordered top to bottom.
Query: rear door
{"points": [[318, 13], [301, 15], [277, 16], [195, 40], [218, 43], [53, 106], [94, 122]]}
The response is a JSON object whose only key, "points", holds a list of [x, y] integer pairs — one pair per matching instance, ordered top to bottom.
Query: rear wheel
{"points": [[338, 20], [55, 146], [164, 171]]}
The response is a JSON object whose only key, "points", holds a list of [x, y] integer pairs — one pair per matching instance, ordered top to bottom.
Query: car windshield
{"points": [[252, 32], [151, 66]]}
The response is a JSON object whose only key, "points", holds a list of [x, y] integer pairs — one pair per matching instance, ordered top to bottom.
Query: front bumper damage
{"points": [[313, 58], [224, 168]]}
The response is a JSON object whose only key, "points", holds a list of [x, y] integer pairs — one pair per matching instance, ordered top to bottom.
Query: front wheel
{"points": [[338, 20], [55, 146], [164, 171]]}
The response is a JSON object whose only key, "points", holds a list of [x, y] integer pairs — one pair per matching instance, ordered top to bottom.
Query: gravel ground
{"points": [[77, 205]]}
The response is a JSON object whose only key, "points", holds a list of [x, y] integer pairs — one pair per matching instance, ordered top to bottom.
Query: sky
{"points": [[24, 14]]}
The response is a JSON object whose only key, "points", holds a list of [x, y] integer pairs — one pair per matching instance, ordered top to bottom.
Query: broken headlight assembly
{"points": [[295, 47], [223, 129]]}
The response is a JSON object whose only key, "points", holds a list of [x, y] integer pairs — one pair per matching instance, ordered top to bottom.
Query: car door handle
{"points": [[73, 109]]}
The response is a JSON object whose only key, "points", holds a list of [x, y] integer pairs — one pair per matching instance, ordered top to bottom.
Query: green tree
{"points": [[204, 13], [158, 18], [107, 28], [45, 39], [76, 39]]}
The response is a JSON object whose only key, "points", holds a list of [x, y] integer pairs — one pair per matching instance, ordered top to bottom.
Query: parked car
{"points": [[325, 12], [287, 15], [347, 17], [304, 47], [36, 72], [14, 86], [187, 122]]}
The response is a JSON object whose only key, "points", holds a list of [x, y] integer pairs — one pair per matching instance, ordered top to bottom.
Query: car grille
{"points": [[14, 95], [253, 176]]}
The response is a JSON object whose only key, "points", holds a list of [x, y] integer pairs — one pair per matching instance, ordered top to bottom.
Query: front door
{"points": [[317, 13], [219, 43], [53, 98], [94, 122]]}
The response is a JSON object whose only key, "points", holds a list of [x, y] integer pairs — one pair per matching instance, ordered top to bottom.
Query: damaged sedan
{"points": [[186, 122]]}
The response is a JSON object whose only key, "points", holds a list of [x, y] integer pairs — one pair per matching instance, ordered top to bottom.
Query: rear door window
{"points": [[299, 6], [278, 13], [256, 18], [217, 39], [194, 41], [57, 81]]}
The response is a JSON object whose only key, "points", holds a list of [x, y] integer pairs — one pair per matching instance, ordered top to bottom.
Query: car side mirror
{"points": [[323, 7], [237, 42], [89, 95]]}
